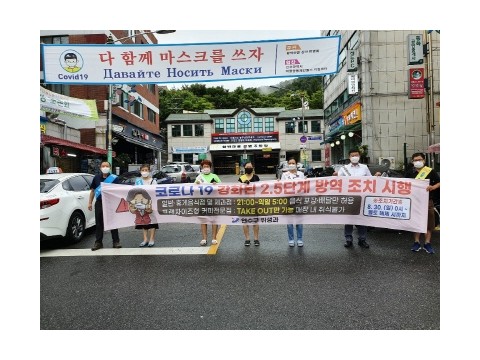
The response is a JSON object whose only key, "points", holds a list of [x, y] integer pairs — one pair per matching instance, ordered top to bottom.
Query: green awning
{"points": [[342, 130]]}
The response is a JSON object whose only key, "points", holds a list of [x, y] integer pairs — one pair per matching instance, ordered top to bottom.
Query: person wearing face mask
{"points": [[355, 169], [420, 171], [293, 174], [207, 177], [247, 178], [95, 192], [148, 229]]}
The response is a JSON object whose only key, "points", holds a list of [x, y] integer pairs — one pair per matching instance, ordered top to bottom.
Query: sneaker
{"points": [[203, 242], [214, 242], [247, 242], [256, 242], [291, 243], [300, 243], [348, 243], [143, 244], [151, 244], [363, 244], [97, 245], [116, 245], [416, 247], [428, 248]]}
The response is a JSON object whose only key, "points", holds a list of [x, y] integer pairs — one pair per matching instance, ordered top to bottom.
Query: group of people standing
{"points": [[354, 168]]}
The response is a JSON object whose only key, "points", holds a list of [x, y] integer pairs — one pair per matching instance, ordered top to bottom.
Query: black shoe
{"points": [[247, 242], [256, 242], [348, 244], [363, 244], [97, 245], [116, 245]]}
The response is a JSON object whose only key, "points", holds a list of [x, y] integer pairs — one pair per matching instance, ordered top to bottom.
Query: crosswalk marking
{"points": [[198, 250]]}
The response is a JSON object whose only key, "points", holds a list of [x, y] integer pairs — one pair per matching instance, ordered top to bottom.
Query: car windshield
{"points": [[170, 169], [47, 184]]}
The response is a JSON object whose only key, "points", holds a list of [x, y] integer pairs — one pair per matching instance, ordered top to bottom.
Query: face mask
{"points": [[354, 159], [418, 164], [292, 167], [105, 170], [206, 170], [248, 170], [145, 174], [140, 206]]}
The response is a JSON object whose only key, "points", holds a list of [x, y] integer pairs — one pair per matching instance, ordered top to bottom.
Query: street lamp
{"points": [[111, 41], [303, 117]]}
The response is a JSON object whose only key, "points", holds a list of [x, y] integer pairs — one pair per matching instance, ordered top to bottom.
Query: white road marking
{"points": [[128, 251]]}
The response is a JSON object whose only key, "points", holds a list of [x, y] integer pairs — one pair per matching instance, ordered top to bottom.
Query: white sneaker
{"points": [[203, 242], [214, 242], [300, 243]]}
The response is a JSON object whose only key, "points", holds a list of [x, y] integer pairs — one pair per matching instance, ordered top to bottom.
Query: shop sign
{"points": [[415, 49], [351, 60], [352, 84], [416, 85], [352, 114], [43, 128], [225, 138], [55, 151]]}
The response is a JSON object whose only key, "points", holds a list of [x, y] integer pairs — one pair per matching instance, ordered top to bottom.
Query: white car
{"points": [[64, 205]]}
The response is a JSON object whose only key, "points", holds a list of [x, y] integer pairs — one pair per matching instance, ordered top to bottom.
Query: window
{"points": [[54, 39], [58, 88], [151, 88], [137, 109], [151, 116], [244, 120], [258, 124], [219, 125], [230, 125], [269, 125], [316, 126], [290, 127], [301, 128], [187, 130], [199, 130], [176, 131], [316, 155], [177, 157], [188, 158], [77, 183]]}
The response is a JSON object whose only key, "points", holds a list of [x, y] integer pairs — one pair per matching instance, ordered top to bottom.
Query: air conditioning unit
{"points": [[387, 161]]}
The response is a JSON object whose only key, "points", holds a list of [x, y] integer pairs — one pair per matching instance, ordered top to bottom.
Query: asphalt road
{"points": [[321, 286]]}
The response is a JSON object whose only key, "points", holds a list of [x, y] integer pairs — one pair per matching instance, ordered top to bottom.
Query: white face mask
{"points": [[354, 159], [418, 164], [292, 167], [105, 170], [206, 170], [145, 174], [140, 206]]}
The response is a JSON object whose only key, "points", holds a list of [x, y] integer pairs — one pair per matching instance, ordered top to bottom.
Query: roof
{"points": [[289, 114], [188, 117], [47, 139]]}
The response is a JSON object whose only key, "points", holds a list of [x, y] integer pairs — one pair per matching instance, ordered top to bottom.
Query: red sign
{"points": [[416, 86]]}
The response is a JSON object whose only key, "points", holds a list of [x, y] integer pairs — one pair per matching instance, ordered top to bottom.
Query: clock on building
{"points": [[244, 119]]}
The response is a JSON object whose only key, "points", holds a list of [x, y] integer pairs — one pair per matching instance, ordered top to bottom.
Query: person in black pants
{"points": [[95, 191]]}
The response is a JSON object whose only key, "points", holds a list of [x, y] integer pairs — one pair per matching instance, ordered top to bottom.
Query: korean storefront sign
{"points": [[415, 49], [352, 60], [162, 63], [416, 83], [352, 84], [61, 104], [352, 114], [228, 138], [373, 201]]}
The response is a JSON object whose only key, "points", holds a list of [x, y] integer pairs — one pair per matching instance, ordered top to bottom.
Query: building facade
{"points": [[385, 97], [135, 124], [231, 137]]}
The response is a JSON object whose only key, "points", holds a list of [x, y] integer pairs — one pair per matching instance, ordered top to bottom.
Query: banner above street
{"points": [[180, 63], [61, 104]]}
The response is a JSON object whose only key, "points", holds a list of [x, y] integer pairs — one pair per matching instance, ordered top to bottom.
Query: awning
{"points": [[342, 130], [47, 139], [139, 143]]}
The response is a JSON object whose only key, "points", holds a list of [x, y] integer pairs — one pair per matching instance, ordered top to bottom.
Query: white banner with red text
{"points": [[163, 63], [394, 203]]}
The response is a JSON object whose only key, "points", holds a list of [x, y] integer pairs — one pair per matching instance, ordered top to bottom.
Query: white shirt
{"points": [[355, 170], [287, 175]]}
